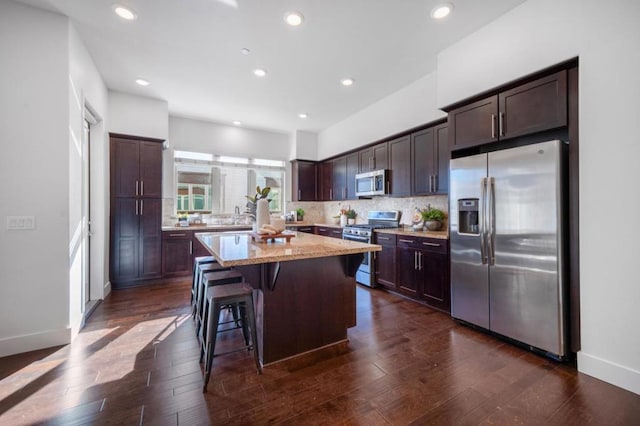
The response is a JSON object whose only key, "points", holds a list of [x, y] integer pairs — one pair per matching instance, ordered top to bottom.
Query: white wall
{"points": [[541, 33], [409, 107], [138, 116], [204, 136], [305, 146], [34, 173]]}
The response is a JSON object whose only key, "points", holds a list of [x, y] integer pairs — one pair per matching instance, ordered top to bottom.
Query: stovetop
{"points": [[377, 220]]}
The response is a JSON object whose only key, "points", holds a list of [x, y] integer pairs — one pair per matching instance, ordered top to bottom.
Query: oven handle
{"points": [[356, 238]]}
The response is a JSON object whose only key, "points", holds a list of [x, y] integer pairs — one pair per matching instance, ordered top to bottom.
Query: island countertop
{"points": [[235, 249]]}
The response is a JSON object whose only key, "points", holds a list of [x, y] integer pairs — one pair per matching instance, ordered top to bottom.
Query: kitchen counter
{"points": [[442, 235], [233, 249], [305, 289]]}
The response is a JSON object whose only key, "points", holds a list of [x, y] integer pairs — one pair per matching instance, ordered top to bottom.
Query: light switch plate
{"points": [[18, 223]]}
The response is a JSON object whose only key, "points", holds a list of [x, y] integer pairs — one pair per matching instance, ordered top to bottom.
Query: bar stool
{"points": [[200, 260], [210, 279], [199, 293], [240, 297]]}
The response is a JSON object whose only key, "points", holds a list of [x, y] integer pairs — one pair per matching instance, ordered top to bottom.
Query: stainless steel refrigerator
{"points": [[506, 236]]}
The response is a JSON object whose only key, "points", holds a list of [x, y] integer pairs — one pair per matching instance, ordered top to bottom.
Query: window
{"points": [[206, 183]]}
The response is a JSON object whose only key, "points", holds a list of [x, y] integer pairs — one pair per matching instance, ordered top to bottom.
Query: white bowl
{"points": [[278, 223]]}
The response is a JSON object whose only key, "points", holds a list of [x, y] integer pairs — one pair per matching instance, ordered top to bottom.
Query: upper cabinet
{"points": [[532, 107], [374, 158], [430, 160], [400, 166], [136, 167], [325, 172], [344, 177], [304, 180]]}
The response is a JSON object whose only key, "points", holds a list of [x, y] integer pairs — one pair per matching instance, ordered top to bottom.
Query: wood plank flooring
{"points": [[136, 362]]}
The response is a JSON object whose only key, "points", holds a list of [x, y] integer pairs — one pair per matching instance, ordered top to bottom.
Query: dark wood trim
{"points": [[571, 63], [138, 138], [574, 212]]}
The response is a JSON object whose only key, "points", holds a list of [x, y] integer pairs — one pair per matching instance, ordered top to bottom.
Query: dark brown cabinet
{"points": [[529, 108], [374, 158], [430, 161], [400, 166], [344, 177], [304, 180], [326, 181], [136, 209], [329, 231], [177, 253], [385, 261], [422, 270]]}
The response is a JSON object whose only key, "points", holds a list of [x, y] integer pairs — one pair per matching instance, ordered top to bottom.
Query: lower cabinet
{"points": [[329, 231], [177, 253], [385, 261], [421, 272]]}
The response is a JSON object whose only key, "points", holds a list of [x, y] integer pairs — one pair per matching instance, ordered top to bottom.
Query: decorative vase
{"points": [[262, 213], [343, 220], [351, 221], [433, 225]]}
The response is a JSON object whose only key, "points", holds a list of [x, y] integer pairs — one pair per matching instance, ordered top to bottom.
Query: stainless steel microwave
{"points": [[371, 183]]}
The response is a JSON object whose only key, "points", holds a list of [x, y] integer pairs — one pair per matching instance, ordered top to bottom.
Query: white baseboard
{"points": [[107, 289], [31, 342], [610, 372]]}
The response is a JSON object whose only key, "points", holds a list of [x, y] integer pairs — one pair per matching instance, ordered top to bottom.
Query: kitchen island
{"points": [[306, 288]]}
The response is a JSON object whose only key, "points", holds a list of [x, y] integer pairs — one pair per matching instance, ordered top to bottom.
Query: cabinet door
{"points": [[534, 107], [473, 124], [442, 155], [381, 156], [366, 160], [422, 161], [400, 166], [125, 167], [150, 169], [352, 171], [340, 178], [326, 181], [303, 185], [125, 239], [198, 248], [177, 253], [150, 256], [385, 262], [406, 271], [435, 280]]}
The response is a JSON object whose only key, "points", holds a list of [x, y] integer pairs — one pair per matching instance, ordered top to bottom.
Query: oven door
{"points": [[363, 274]]}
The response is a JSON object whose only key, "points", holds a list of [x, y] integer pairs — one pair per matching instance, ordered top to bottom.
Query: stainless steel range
{"points": [[364, 233]]}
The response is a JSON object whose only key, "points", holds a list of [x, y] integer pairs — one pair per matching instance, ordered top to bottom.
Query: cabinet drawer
{"points": [[177, 235], [386, 239], [433, 245]]}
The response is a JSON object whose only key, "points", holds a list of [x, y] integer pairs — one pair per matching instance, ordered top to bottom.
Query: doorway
{"points": [[89, 301]]}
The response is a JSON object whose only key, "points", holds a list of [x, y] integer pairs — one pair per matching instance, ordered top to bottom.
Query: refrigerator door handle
{"points": [[483, 222], [492, 222]]}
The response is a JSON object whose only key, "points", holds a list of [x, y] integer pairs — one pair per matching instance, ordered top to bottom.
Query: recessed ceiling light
{"points": [[441, 11], [124, 12], [293, 18], [245, 51], [260, 72], [347, 81], [142, 82], [303, 115], [237, 123]]}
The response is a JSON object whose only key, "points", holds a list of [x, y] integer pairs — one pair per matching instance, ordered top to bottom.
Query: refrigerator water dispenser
{"points": [[468, 216]]}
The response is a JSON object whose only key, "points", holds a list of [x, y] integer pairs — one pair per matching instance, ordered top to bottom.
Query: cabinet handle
{"points": [[500, 122], [493, 126], [142, 188], [388, 189], [136, 190], [344, 193], [299, 194], [330, 194], [136, 207], [141, 207], [177, 235], [384, 238], [406, 241], [431, 244], [190, 247], [415, 260]]}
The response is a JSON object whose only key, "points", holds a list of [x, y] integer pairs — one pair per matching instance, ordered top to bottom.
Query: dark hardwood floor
{"points": [[136, 362]]}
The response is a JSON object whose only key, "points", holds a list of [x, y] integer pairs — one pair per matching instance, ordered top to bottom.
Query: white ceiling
{"points": [[190, 52]]}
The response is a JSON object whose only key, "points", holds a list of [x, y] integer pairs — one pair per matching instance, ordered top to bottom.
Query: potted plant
{"points": [[252, 204], [300, 213], [351, 216], [433, 218]]}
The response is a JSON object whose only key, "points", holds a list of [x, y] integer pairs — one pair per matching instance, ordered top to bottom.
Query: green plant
{"points": [[252, 203], [300, 212], [351, 214], [432, 214]]}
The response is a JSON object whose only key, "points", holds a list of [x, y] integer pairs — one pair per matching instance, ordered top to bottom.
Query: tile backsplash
{"points": [[324, 212]]}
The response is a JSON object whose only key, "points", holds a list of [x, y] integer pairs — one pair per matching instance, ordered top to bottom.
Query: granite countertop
{"points": [[206, 228], [442, 235], [233, 249]]}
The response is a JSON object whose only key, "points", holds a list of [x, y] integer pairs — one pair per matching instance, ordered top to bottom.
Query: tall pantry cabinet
{"points": [[136, 209]]}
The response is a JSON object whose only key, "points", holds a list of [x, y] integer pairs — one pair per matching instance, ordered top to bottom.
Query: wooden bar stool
{"points": [[200, 260], [210, 279], [199, 293], [240, 297]]}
